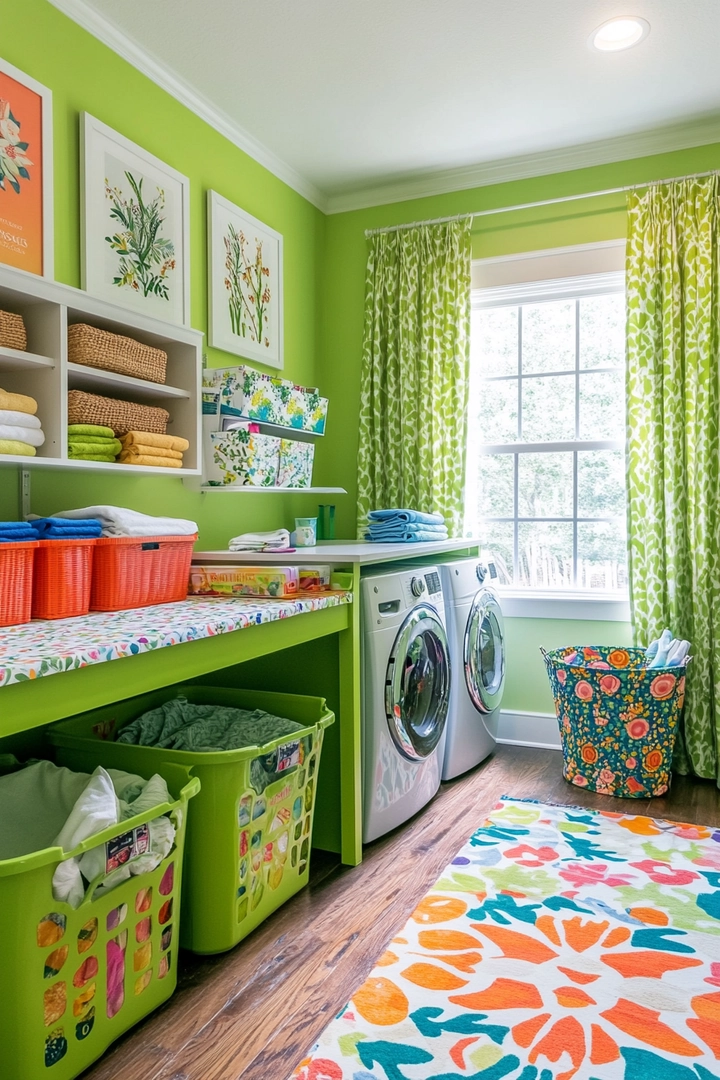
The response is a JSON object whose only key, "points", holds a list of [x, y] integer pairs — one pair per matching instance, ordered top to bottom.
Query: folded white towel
{"points": [[18, 419], [33, 436], [119, 521], [260, 541]]}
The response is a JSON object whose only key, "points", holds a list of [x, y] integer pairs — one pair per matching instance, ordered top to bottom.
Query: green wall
{"points": [[85, 75]]}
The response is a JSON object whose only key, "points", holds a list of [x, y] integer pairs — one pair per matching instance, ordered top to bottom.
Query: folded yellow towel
{"points": [[21, 403], [149, 438], [21, 449], [138, 450], [150, 459]]}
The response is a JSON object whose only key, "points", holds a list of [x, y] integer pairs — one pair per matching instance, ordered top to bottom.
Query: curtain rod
{"points": [[541, 202]]}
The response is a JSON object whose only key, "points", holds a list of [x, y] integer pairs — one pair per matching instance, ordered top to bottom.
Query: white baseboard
{"points": [[528, 729]]}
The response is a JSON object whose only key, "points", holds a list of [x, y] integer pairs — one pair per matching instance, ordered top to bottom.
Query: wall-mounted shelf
{"points": [[45, 373], [282, 431], [229, 489]]}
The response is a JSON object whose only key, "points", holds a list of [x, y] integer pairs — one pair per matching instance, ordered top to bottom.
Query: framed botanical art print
{"points": [[26, 173], [135, 226], [245, 276]]}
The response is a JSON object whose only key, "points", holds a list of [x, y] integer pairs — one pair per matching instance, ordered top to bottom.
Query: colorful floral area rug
{"points": [[560, 944]]}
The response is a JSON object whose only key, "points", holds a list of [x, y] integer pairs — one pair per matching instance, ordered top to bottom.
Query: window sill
{"points": [[537, 604]]}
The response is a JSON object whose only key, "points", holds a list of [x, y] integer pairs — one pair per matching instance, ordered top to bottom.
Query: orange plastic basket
{"points": [[131, 572], [16, 578], [61, 579]]}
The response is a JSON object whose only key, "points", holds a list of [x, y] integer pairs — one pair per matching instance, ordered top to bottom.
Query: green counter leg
{"points": [[350, 733]]}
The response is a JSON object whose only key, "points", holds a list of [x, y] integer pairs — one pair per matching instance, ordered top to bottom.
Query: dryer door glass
{"points": [[484, 652], [417, 689]]}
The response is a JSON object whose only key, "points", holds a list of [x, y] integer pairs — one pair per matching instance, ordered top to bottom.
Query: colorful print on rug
{"points": [[560, 944]]}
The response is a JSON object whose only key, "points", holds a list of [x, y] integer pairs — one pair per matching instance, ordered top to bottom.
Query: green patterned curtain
{"points": [[414, 389], [673, 452]]}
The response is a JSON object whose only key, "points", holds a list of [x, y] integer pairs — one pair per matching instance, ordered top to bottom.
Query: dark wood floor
{"points": [[253, 1013]]}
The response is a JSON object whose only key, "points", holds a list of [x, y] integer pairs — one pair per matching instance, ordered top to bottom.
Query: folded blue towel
{"points": [[405, 516], [13, 526], [59, 527], [382, 531], [18, 534], [56, 534], [416, 537], [19, 539]]}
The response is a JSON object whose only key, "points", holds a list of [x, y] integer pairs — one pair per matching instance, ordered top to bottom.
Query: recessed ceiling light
{"points": [[621, 33]]}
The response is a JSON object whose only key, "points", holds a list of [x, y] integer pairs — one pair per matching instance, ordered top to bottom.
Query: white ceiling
{"points": [[345, 95]]}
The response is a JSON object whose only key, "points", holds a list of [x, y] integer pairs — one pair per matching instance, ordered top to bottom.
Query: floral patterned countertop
{"points": [[46, 647]]}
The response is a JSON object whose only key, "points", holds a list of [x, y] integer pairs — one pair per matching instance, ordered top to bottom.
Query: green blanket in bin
{"points": [[203, 729]]}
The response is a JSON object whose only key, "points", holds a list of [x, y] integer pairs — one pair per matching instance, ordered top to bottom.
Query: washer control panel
{"points": [[432, 581], [417, 586]]}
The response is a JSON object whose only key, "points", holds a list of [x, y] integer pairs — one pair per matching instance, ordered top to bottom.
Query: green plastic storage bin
{"points": [[247, 851], [59, 1011]]}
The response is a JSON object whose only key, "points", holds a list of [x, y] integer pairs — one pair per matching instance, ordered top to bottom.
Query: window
{"points": [[546, 463]]}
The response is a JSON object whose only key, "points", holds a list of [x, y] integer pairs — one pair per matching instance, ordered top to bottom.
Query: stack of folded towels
{"points": [[20, 430], [92, 442], [147, 448], [119, 521], [404, 527], [56, 528], [16, 531], [279, 540]]}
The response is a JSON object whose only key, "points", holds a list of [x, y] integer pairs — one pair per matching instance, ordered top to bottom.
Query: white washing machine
{"points": [[476, 635], [406, 695]]}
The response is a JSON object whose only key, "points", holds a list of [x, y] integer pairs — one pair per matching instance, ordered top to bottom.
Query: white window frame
{"points": [[556, 274]]}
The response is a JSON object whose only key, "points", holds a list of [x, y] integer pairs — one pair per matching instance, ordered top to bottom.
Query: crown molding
{"points": [[110, 35], [681, 136]]}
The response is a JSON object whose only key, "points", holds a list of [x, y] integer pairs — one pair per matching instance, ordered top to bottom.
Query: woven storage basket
{"points": [[12, 331], [112, 352], [121, 416]]}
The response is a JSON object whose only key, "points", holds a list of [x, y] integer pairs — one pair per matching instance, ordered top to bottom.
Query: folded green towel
{"points": [[91, 429], [100, 440], [94, 446], [21, 449], [91, 457]]}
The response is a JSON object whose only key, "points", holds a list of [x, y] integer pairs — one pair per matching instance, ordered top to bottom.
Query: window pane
{"points": [[602, 331], [548, 336], [494, 338], [602, 405], [549, 408], [498, 412], [601, 483], [496, 485], [545, 485], [497, 539], [545, 550], [602, 556]]}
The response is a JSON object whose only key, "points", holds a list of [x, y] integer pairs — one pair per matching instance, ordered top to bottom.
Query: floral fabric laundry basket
{"points": [[618, 719]]}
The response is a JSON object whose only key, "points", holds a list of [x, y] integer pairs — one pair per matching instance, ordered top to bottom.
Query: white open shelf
{"points": [[44, 372], [247, 490]]}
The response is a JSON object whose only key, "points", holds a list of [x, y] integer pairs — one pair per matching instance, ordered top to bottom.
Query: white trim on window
{"points": [[551, 263], [563, 288], [574, 606]]}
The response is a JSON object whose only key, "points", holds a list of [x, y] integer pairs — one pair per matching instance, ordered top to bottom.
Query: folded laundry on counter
{"points": [[18, 402], [18, 419], [31, 436], [150, 438], [21, 449], [150, 459], [391, 517], [119, 521], [59, 528], [381, 529], [16, 531], [418, 536], [278, 540], [667, 651], [35, 798]]}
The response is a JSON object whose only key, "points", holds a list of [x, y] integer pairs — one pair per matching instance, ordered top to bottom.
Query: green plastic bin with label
{"points": [[250, 830], [74, 979]]}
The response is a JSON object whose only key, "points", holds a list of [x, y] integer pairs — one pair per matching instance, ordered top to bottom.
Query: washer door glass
{"points": [[484, 652], [417, 689]]}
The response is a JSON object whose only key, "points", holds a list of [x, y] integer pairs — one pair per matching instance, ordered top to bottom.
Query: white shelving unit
{"points": [[45, 373], [230, 490]]}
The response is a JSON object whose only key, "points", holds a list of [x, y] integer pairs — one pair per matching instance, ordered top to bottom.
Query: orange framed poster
{"points": [[26, 173]]}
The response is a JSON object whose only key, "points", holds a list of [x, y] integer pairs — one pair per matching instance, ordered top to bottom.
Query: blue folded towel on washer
{"points": [[405, 517], [64, 529]]}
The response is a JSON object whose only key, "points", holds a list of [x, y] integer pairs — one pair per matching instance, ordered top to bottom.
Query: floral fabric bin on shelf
{"points": [[249, 393], [243, 458], [296, 464], [618, 719]]}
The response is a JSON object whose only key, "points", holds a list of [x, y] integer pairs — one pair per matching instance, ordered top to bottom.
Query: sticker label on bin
{"points": [[287, 756], [121, 849]]}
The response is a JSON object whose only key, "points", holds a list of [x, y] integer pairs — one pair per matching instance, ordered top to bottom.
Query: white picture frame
{"points": [[116, 177], [236, 241], [20, 246]]}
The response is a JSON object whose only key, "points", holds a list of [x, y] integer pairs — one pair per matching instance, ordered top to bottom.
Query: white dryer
{"points": [[476, 635], [406, 695]]}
